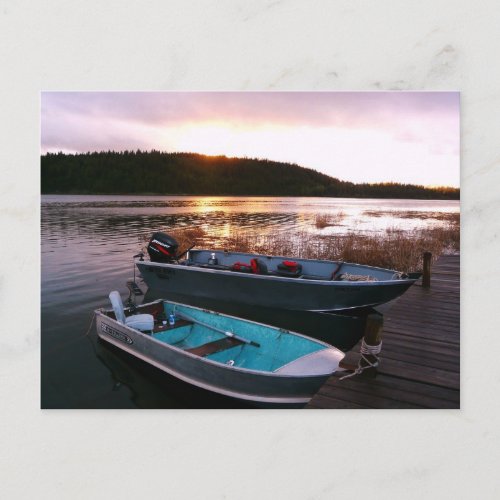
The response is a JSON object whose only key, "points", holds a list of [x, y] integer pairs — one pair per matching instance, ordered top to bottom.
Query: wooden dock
{"points": [[420, 357]]}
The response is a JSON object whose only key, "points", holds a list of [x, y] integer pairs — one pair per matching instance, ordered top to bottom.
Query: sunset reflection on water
{"points": [[221, 216]]}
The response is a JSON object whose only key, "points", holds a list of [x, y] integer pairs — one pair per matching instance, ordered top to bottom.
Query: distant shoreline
{"points": [[157, 173], [210, 195]]}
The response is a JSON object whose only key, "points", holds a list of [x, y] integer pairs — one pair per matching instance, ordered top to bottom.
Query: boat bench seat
{"points": [[214, 346]]}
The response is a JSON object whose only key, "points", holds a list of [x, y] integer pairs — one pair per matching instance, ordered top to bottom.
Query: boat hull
{"points": [[269, 291], [248, 385]]}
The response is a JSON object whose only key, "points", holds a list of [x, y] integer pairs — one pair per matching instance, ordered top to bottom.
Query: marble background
{"points": [[248, 45]]}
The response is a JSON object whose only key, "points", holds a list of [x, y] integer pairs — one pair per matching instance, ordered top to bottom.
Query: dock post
{"points": [[426, 277], [371, 345]]}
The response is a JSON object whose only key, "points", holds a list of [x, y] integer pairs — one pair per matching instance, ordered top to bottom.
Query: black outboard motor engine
{"points": [[162, 248]]}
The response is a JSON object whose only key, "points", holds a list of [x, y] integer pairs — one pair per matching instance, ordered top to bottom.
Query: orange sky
{"points": [[410, 137]]}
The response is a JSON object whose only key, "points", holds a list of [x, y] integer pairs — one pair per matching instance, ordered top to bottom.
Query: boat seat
{"points": [[141, 322], [214, 346]]}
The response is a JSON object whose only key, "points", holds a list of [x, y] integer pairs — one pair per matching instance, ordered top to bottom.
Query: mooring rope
{"points": [[90, 326], [73, 340], [372, 350]]}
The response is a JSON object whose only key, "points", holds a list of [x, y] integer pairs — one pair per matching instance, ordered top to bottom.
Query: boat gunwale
{"points": [[286, 279], [102, 311]]}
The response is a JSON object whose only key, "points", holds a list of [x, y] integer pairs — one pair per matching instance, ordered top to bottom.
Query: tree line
{"points": [[156, 172]]}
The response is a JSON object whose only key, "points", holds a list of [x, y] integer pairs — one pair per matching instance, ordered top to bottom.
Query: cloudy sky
{"points": [[357, 136]]}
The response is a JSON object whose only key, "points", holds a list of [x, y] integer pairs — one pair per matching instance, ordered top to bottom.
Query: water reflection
{"points": [[86, 215], [78, 224]]}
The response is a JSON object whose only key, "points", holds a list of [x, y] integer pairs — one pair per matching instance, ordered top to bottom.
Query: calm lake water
{"points": [[87, 244]]}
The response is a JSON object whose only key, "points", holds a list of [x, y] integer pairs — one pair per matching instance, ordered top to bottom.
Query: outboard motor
{"points": [[162, 248]]}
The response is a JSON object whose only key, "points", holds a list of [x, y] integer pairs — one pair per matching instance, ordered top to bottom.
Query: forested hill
{"points": [[194, 174]]}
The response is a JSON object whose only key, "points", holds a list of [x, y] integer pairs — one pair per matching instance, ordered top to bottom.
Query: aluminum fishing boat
{"points": [[270, 281], [224, 354]]}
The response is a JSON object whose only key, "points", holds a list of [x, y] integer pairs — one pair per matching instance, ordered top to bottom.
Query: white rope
{"points": [[372, 350]]}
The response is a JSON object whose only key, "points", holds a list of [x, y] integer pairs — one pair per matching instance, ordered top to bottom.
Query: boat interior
{"points": [[286, 267], [276, 347]]}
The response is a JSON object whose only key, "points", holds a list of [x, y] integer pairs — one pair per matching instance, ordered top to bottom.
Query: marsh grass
{"points": [[324, 220], [186, 237], [393, 249]]}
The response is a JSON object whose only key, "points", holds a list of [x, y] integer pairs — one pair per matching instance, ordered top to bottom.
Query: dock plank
{"points": [[420, 358], [396, 390]]}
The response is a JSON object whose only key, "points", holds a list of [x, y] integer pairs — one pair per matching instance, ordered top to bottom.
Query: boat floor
{"points": [[269, 273], [214, 346], [202, 350]]}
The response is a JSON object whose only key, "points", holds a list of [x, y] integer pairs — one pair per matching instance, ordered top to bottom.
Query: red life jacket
{"points": [[241, 266], [255, 267]]}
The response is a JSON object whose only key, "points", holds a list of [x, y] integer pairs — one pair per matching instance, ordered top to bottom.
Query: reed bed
{"points": [[325, 220], [187, 236], [393, 249]]}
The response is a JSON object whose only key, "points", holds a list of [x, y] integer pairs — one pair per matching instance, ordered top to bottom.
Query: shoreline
{"points": [[249, 196]]}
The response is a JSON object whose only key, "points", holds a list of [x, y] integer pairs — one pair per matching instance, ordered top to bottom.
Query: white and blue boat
{"points": [[220, 353]]}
